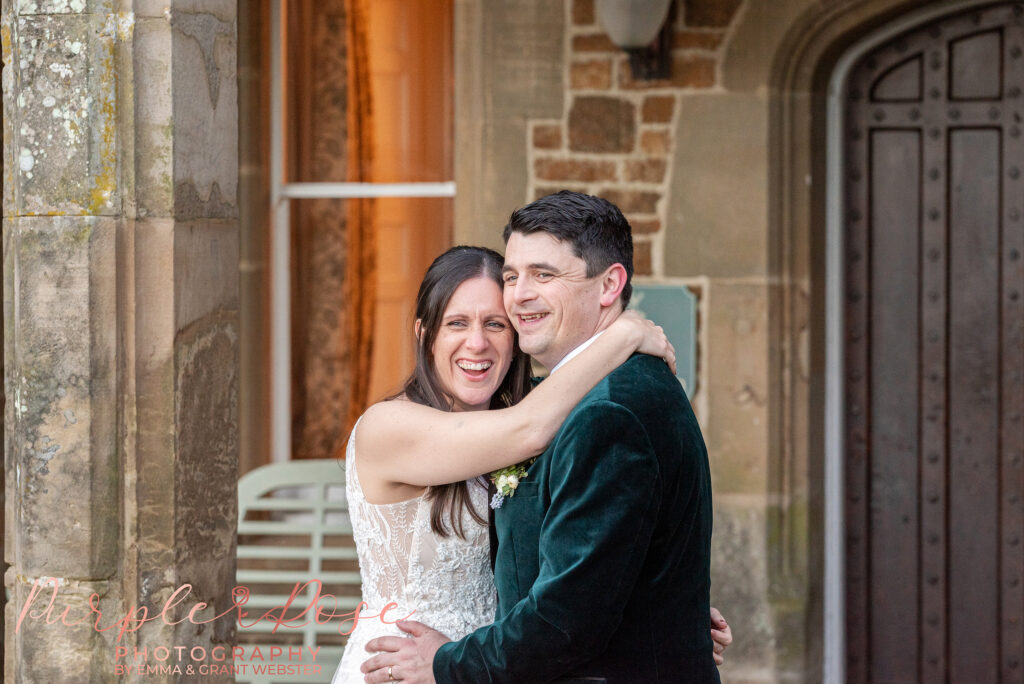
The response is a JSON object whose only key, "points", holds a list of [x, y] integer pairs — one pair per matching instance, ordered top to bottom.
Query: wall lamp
{"points": [[639, 28]]}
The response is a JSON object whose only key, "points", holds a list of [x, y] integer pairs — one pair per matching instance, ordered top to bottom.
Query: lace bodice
{"points": [[446, 580]]}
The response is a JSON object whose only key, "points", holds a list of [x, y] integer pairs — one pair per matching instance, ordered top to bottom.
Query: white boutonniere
{"points": [[506, 480]]}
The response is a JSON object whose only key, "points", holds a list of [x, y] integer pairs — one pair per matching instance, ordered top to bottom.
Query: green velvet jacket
{"points": [[603, 552]]}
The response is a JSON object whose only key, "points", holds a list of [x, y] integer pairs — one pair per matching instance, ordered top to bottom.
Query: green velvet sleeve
{"points": [[605, 493]]}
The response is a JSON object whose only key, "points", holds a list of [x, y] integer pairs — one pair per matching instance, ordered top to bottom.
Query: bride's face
{"points": [[473, 348]]}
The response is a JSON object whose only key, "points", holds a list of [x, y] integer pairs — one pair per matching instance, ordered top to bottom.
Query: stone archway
{"points": [[806, 373]]}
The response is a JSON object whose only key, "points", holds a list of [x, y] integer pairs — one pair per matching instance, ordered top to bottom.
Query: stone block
{"points": [[40, 7], [151, 8], [222, 9], [225, 10], [583, 12], [710, 13], [762, 33], [698, 40], [594, 42], [524, 52], [517, 58], [688, 71], [591, 75], [205, 101], [62, 105], [658, 109], [154, 118], [602, 124], [547, 136], [505, 141], [655, 142], [11, 150], [574, 169], [645, 170], [544, 191], [632, 201], [718, 204], [644, 226], [204, 252], [643, 263], [60, 377], [11, 408], [207, 411], [736, 427], [187, 438], [154, 462], [206, 466], [739, 582], [794, 594], [59, 652]]}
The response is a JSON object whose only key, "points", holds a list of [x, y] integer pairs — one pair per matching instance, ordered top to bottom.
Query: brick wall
{"points": [[615, 137]]}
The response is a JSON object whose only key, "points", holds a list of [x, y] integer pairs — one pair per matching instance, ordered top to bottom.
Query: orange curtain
{"points": [[333, 264], [361, 287]]}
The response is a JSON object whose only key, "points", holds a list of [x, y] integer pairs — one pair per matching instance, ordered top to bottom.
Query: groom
{"points": [[603, 550]]}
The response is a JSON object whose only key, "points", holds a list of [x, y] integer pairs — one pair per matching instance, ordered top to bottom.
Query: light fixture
{"points": [[640, 28]]}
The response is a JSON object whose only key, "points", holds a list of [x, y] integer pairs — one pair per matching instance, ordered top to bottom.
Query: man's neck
{"points": [[608, 316], [576, 350]]}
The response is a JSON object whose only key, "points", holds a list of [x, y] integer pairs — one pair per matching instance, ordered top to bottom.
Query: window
{"points": [[399, 55]]}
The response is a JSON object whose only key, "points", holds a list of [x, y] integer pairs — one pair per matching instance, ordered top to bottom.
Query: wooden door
{"points": [[935, 353]]}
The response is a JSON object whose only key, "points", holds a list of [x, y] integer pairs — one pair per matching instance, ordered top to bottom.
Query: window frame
{"points": [[281, 195]]}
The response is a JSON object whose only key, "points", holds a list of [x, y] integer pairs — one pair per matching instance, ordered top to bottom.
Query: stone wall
{"points": [[509, 65], [616, 135], [121, 260]]}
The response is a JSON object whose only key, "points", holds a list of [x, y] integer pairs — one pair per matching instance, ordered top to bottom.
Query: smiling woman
{"points": [[474, 347]]}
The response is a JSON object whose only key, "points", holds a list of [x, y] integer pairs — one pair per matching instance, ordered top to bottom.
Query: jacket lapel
{"points": [[493, 533]]}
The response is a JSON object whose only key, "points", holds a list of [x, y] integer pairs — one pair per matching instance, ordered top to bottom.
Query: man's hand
{"points": [[721, 634], [404, 660]]}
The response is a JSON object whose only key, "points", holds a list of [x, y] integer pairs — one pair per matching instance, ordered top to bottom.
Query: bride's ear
{"points": [[417, 329]]}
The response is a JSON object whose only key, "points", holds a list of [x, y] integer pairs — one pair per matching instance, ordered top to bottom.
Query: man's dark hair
{"points": [[594, 227]]}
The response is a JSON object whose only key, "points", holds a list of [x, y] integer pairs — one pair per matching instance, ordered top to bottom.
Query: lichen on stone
{"points": [[125, 25]]}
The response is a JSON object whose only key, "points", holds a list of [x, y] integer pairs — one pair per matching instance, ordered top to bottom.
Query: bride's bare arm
{"points": [[417, 445]]}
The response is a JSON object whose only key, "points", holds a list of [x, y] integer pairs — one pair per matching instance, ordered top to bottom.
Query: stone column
{"points": [[254, 232], [120, 246]]}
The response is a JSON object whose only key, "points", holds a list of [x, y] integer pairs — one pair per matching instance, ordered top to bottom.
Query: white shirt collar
{"points": [[577, 350]]}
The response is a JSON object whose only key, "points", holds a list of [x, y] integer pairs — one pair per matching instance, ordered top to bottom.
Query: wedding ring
{"points": [[391, 677]]}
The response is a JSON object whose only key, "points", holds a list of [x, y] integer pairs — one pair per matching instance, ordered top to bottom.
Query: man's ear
{"points": [[613, 280]]}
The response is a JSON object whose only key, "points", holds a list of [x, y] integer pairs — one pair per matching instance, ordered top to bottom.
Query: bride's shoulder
{"points": [[384, 410], [380, 420]]}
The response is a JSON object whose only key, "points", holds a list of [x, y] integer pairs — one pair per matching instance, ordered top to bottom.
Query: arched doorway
{"points": [[933, 367]]}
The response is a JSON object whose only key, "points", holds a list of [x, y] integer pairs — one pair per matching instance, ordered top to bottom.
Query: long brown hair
{"points": [[444, 276]]}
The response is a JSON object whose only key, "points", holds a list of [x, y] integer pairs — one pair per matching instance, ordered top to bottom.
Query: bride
{"points": [[416, 497]]}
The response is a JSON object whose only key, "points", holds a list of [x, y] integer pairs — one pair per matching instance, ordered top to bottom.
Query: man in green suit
{"points": [[603, 550]]}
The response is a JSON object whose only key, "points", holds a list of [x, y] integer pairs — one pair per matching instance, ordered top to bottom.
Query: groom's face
{"points": [[552, 303]]}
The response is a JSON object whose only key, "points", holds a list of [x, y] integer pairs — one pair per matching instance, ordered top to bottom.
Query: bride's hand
{"points": [[649, 338]]}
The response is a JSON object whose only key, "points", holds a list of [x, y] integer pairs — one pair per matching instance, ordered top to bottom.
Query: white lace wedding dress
{"points": [[446, 580]]}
